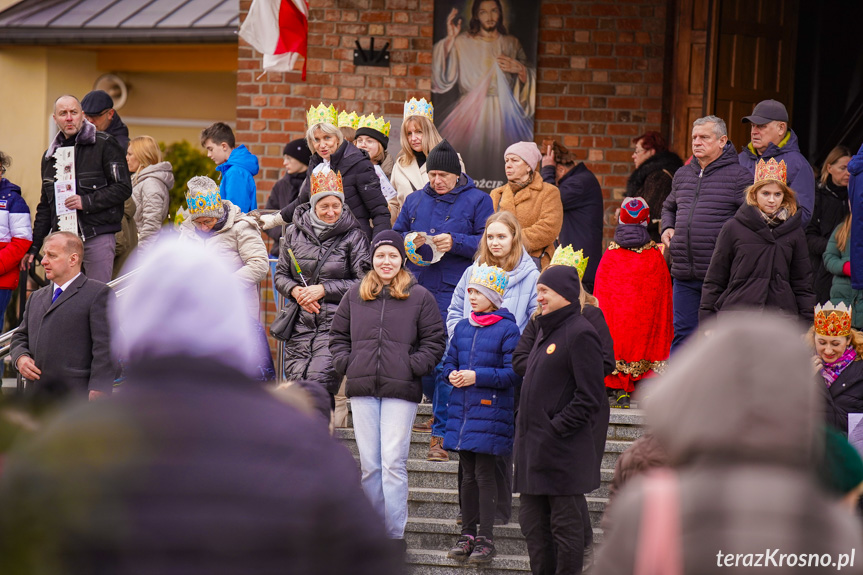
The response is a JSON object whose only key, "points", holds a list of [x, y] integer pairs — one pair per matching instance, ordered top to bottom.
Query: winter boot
{"points": [[621, 399], [423, 427], [436, 450], [462, 549], [483, 551]]}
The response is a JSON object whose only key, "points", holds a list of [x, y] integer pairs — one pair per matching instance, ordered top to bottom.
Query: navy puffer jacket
{"points": [[701, 201], [481, 415]]}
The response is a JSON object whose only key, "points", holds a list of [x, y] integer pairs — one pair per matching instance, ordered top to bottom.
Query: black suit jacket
{"points": [[70, 340]]}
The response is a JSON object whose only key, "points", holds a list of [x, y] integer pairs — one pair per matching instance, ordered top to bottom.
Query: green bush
{"points": [[187, 161]]}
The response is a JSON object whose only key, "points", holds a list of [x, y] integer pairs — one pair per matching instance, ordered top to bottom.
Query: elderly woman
{"points": [[654, 170], [152, 180], [361, 185], [535, 203], [332, 254]]}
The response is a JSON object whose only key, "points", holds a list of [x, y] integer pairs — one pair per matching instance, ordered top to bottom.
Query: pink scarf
{"points": [[484, 320], [831, 371]]}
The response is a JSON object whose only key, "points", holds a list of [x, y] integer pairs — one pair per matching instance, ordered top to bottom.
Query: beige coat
{"points": [[408, 179], [539, 211], [242, 247]]}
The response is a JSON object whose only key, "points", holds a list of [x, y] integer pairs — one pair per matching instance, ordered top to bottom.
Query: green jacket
{"points": [[842, 291]]}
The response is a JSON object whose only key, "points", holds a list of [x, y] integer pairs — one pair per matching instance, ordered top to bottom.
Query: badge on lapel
{"points": [[550, 349]]}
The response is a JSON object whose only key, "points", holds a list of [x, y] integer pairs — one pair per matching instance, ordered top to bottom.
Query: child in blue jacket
{"points": [[237, 165], [481, 407]]}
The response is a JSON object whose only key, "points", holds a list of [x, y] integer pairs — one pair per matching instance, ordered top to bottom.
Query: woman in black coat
{"points": [[654, 171], [326, 235], [761, 259], [386, 335], [838, 364]]}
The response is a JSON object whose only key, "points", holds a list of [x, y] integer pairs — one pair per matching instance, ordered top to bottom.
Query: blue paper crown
{"points": [[203, 200], [491, 277]]}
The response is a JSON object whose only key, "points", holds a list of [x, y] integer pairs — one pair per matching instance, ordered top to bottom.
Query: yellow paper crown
{"points": [[419, 108], [321, 115], [351, 120], [378, 124], [771, 170], [326, 181], [565, 256], [491, 277], [833, 321]]}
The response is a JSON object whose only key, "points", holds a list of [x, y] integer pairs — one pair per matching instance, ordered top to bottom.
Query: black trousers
{"points": [[503, 475], [478, 493], [554, 529]]}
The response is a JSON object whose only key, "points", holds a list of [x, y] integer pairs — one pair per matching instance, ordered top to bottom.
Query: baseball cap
{"points": [[95, 102], [767, 111]]}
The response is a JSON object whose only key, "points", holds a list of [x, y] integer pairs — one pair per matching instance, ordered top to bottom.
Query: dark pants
{"points": [[686, 296], [503, 475], [478, 493], [585, 520], [554, 530]]}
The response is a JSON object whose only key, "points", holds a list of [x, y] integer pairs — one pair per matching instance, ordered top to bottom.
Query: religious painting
{"points": [[484, 80]]}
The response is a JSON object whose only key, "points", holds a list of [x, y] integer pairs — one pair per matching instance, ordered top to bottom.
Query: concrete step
{"points": [[418, 450], [428, 533], [435, 562]]}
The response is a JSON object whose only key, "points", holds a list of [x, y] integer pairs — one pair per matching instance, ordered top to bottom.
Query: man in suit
{"points": [[63, 343]]}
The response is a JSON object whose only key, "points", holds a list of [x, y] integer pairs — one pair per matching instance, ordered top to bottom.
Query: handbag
{"points": [[283, 326]]}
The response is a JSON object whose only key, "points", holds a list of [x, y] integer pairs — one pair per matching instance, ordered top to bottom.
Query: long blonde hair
{"points": [[431, 138], [146, 151], [834, 156], [789, 198], [843, 232], [511, 261], [372, 285]]}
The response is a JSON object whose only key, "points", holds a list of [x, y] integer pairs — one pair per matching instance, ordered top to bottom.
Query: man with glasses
{"points": [[99, 110]]}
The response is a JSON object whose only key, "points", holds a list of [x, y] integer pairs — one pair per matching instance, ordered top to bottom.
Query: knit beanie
{"points": [[372, 133], [298, 150], [527, 151], [444, 159], [203, 199], [634, 211], [389, 238], [563, 280]]}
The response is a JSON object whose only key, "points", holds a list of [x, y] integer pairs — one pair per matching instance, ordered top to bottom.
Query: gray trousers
{"points": [[99, 257]]}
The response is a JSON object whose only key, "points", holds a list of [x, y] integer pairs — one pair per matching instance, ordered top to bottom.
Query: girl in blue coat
{"points": [[480, 423]]}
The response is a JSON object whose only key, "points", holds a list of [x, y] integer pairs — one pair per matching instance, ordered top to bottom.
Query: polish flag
{"points": [[278, 29]]}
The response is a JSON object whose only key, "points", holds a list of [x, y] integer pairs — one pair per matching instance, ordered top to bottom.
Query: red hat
{"points": [[634, 211]]}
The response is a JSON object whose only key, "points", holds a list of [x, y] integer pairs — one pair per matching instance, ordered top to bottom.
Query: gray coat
{"points": [[69, 340]]}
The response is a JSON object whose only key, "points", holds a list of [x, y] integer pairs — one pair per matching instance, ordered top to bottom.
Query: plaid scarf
{"points": [[831, 371]]}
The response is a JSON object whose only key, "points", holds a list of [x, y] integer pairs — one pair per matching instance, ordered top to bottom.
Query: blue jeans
{"points": [[5, 296], [686, 296], [440, 403], [382, 427]]}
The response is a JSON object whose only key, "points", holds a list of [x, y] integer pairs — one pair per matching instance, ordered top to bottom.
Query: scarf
{"points": [[516, 187], [775, 219], [319, 226], [484, 320], [831, 371]]}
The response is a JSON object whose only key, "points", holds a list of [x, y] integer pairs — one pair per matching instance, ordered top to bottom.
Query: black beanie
{"points": [[372, 133], [298, 150], [444, 159], [389, 238], [563, 280]]}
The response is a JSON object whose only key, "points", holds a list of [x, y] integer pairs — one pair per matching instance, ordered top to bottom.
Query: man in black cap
{"points": [[99, 111], [772, 138], [296, 162], [556, 461]]}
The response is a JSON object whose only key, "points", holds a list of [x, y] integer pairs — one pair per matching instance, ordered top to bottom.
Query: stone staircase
{"points": [[433, 502]]}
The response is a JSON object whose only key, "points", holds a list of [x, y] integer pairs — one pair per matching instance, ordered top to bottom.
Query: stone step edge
{"points": [[425, 466], [427, 495], [438, 525], [438, 558]]}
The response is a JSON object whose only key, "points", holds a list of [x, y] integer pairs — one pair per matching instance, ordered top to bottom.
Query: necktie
{"points": [[57, 293]]}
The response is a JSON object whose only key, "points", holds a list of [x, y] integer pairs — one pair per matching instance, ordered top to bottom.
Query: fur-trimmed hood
{"points": [[86, 136], [666, 160]]}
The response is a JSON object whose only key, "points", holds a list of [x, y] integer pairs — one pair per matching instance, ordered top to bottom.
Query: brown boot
{"points": [[424, 427], [436, 450]]}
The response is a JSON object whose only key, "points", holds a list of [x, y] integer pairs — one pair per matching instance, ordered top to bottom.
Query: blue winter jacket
{"points": [[801, 178], [238, 182], [855, 196], [462, 213], [519, 296], [481, 416]]}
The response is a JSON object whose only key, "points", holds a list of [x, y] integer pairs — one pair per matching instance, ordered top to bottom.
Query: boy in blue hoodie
{"points": [[237, 165], [481, 406]]}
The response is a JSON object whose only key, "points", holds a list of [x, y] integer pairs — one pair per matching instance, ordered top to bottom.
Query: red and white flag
{"points": [[278, 29]]}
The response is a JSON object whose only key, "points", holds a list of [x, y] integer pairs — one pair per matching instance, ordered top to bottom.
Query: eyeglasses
{"points": [[639, 150]]}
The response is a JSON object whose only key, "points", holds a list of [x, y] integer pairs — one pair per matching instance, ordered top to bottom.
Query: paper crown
{"points": [[419, 108], [321, 115], [351, 120], [378, 124], [771, 170], [326, 180], [203, 198], [634, 211], [565, 256], [414, 257], [491, 277], [833, 321]]}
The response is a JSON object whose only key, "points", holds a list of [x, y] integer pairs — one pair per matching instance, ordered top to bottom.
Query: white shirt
{"points": [[65, 285]]}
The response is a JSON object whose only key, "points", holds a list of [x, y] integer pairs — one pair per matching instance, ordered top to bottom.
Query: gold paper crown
{"points": [[419, 108], [321, 115], [351, 120], [378, 124], [771, 170], [326, 181], [202, 197], [565, 256], [491, 277], [833, 321]]}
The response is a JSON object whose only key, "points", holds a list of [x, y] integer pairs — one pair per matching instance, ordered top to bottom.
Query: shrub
{"points": [[187, 161]]}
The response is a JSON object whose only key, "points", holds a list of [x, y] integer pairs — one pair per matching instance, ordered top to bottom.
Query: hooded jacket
{"points": [[800, 176], [101, 178], [238, 179], [652, 181], [361, 185], [151, 193], [855, 195], [700, 202], [831, 207], [539, 210], [462, 213], [16, 235], [755, 266], [840, 286], [519, 297], [384, 346], [307, 354], [480, 416], [740, 421]]}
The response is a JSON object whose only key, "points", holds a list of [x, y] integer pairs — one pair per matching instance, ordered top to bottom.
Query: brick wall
{"points": [[600, 77]]}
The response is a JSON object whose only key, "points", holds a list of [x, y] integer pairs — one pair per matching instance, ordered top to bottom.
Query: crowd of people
{"points": [[401, 282]]}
